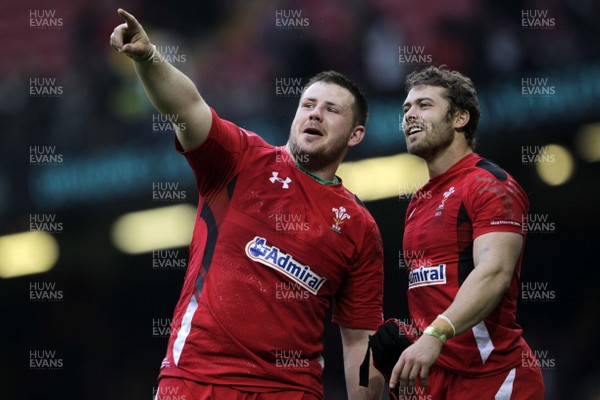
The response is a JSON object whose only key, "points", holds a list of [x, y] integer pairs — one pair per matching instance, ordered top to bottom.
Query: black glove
{"points": [[387, 344]]}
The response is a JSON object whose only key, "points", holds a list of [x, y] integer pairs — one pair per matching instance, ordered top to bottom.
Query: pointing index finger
{"points": [[130, 19]]}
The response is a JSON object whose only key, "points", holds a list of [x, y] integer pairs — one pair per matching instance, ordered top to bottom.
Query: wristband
{"points": [[151, 55], [442, 316], [436, 333]]}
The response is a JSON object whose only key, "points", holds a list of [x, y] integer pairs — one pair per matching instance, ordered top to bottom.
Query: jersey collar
{"points": [[334, 181]]}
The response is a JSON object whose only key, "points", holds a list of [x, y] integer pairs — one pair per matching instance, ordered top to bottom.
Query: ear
{"points": [[461, 119], [357, 135]]}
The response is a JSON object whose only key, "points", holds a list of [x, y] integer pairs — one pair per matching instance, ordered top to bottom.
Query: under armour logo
{"points": [[284, 182]]}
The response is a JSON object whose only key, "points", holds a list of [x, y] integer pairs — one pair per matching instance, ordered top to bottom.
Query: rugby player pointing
{"points": [[464, 240], [250, 319]]}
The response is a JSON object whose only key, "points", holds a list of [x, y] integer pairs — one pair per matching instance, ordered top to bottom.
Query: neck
{"points": [[441, 161], [324, 174]]}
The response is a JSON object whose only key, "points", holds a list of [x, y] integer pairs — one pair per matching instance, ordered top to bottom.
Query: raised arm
{"points": [[170, 90], [495, 255], [354, 342]]}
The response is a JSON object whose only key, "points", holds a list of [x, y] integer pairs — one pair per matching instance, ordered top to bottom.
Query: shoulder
{"points": [[250, 138], [255, 140], [477, 167], [487, 167], [482, 172], [484, 178], [360, 211]]}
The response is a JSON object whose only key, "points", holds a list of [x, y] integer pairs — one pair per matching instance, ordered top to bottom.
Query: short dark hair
{"points": [[460, 92], [360, 109]]}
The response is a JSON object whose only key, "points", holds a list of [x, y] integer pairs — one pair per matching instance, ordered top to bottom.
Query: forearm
{"points": [[169, 89], [174, 95], [495, 256], [477, 297], [355, 344], [376, 383], [355, 391]]}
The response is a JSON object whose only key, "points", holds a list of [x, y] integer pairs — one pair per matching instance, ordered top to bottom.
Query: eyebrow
{"points": [[419, 100], [329, 103]]}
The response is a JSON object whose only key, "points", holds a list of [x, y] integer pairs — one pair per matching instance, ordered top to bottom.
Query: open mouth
{"points": [[414, 129], [312, 131]]}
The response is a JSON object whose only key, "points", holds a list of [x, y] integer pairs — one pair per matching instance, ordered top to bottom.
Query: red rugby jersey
{"points": [[474, 197], [272, 250]]}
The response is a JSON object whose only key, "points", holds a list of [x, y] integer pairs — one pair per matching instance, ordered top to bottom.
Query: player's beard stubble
{"points": [[438, 136], [315, 158]]}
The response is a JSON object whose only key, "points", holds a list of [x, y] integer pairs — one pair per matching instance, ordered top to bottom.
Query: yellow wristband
{"points": [[442, 316], [436, 333]]}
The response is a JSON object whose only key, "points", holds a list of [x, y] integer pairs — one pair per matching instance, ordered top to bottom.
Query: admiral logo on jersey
{"points": [[271, 256], [425, 276]]}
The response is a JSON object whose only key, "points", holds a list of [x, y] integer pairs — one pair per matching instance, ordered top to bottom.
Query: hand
{"points": [[131, 39], [415, 362]]}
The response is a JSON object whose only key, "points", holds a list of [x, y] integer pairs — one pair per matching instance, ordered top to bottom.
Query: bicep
{"points": [[197, 121], [498, 252]]}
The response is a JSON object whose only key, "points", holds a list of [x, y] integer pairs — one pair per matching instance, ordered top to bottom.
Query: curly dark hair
{"points": [[460, 93], [360, 109]]}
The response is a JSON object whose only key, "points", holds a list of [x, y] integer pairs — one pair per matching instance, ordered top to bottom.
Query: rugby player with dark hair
{"points": [[464, 238], [249, 323]]}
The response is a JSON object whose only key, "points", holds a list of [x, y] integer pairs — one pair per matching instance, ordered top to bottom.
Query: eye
{"points": [[308, 105], [425, 105], [333, 110]]}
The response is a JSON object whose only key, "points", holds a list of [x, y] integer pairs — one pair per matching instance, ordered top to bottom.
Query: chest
{"points": [[437, 218], [296, 226]]}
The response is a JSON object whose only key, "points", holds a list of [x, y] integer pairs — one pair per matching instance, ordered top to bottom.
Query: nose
{"points": [[315, 114], [410, 115]]}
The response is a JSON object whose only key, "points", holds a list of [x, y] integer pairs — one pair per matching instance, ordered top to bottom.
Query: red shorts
{"points": [[520, 383], [184, 389]]}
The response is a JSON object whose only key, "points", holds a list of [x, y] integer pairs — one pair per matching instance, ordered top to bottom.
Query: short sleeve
{"points": [[217, 160], [495, 204], [359, 302]]}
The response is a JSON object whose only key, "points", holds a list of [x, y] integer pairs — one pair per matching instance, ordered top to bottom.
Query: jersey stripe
{"points": [[231, 187], [211, 241], [209, 249], [465, 255], [184, 330], [483, 340], [507, 386]]}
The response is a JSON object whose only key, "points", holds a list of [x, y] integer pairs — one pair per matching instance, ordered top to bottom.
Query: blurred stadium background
{"points": [[87, 288]]}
